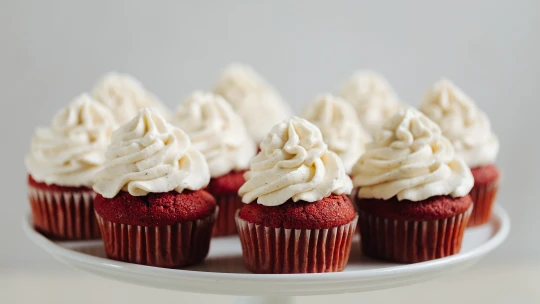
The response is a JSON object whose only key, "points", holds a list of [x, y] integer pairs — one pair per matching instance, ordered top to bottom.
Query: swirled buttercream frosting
{"points": [[125, 96], [373, 98], [258, 103], [462, 122], [339, 126], [217, 131], [71, 150], [149, 155], [410, 159], [294, 163]]}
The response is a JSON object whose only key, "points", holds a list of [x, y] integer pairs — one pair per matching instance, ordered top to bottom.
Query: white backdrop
{"points": [[53, 50]]}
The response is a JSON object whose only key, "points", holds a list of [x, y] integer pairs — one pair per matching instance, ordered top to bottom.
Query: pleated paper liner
{"points": [[352, 197], [483, 198], [228, 205], [64, 215], [412, 241], [169, 246], [280, 250]]}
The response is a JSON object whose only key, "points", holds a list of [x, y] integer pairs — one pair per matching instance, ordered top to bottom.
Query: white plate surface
{"points": [[223, 271]]}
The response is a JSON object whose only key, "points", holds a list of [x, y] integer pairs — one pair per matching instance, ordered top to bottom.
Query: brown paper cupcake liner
{"points": [[483, 200], [228, 205], [64, 215], [412, 241], [168, 246], [281, 250]]}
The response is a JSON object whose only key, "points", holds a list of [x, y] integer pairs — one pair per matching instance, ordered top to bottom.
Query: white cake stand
{"points": [[223, 271]]}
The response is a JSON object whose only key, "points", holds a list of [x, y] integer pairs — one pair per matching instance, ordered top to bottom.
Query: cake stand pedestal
{"points": [[223, 271]]}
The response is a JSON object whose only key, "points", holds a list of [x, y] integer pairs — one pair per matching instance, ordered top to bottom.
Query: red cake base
{"points": [[483, 194], [155, 209], [332, 211], [63, 212], [169, 230], [412, 232], [297, 237]]}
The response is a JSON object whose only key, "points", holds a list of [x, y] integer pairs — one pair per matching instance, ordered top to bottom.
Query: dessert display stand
{"points": [[223, 272]]}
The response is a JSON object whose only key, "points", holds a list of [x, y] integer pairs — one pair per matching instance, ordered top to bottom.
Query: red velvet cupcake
{"points": [[469, 130], [219, 133], [61, 166], [413, 190], [484, 192], [150, 206], [298, 218]]}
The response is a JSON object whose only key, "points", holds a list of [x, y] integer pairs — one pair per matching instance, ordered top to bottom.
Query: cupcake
{"points": [[125, 96], [373, 98], [259, 104], [340, 128], [469, 130], [219, 133], [61, 165], [413, 192], [150, 206], [298, 217]]}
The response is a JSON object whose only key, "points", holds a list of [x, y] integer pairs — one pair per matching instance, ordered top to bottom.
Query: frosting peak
{"points": [[125, 96], [373, 98], [258, 103], [466, 126], [340, 128], [217, 131], [70, 151], [146, 155], [410, 159], [294, 163]]}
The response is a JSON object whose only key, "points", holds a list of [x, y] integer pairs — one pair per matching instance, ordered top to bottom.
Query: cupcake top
{"points": [[125, 96], [373, 98], [253, 99], [466, 126], [340, 128], [217, 131], [70, 151], [149, 155], [411, 160], [294, 163]]}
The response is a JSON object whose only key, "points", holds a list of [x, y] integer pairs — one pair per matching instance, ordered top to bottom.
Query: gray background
{"points": [[53, 50]]}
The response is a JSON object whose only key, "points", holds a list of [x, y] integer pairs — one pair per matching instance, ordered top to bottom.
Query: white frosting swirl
{"points": [[125, 96], [373, 98], [253, 99], [466, 126], [340, 128], [217, 131], [70, 151], [149, 155], [410, 159], [294, 162]]}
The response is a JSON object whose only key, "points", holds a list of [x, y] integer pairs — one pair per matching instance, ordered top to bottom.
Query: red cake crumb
{"points": [[485, 175], [226, 184], [43, 186], [433, 208], [155, 209], [332, 211]]}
